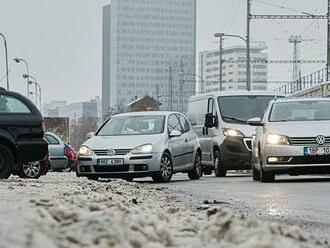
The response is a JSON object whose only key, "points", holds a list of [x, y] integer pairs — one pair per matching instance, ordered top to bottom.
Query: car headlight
{"points": [[232, 133], [275, 139], [147, 148], [85, 151]]}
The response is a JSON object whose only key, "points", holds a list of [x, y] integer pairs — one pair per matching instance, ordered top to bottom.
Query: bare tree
{"points": [[80, 128]]}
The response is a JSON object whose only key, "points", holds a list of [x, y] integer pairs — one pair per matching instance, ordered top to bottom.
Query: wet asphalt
{"points": [[302, 201]]}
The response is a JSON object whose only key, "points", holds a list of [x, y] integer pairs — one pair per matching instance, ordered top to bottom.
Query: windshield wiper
{"points": [[234, 119]]}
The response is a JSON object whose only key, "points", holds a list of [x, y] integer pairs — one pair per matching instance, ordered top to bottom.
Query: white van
{"points": [[220, 121]]}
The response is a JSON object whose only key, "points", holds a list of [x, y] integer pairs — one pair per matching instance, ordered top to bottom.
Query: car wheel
{"points": [[6, 162], [218, 166], [31, 170], [165, 171], [197, 171], [207, 171], [255, 173], [93, 177], [266, 177], [128, 178]]}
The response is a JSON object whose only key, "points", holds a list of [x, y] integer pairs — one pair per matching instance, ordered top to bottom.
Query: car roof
{"points": [[237, 93], [300, 99], [164, 113]]}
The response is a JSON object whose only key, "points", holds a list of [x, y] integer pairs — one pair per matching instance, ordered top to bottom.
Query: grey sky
{"points": [[61, 39]]}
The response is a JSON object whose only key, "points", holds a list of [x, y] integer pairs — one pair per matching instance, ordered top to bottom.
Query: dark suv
{"points": [[21, 134]]}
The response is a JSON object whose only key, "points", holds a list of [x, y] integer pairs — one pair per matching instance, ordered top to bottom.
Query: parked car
{"points": [[220, 121], [21, 134], [292, 138], [141, 144], [57, 152]]}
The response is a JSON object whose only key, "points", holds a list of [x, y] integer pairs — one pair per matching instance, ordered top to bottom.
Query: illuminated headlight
{"points": [[232, 133], [275, 139], [142, 149], [85, 151]]}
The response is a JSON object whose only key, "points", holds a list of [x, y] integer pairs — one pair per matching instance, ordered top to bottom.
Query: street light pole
{"points": [[220, 36], [6, 54], [18, 60], [37, 85]]}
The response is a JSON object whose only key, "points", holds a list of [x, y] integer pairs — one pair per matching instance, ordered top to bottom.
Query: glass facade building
{"points": [[148, 49]]}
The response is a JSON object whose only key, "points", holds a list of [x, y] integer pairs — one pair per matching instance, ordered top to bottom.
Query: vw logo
{"points": [[320, 140], [111, 152]]}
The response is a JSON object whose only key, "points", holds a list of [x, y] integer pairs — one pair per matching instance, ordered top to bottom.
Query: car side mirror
{"points": [[210, 120], [255, 122], [175, 133], [90, 135]]}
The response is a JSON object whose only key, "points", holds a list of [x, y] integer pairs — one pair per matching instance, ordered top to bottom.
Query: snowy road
{"points": [[303, 201], [60, 210]]}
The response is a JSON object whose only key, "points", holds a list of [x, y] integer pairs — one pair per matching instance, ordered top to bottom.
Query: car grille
{"points": [[306, 141], [104, 152], [310, 160], [117, 168]]}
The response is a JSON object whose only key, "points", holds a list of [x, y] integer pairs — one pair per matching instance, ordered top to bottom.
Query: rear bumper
{"points": [[31, 150], [236, 153]]}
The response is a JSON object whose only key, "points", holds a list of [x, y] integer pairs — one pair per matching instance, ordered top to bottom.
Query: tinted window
{"points": [[9, 104], [238, 109], [196, 111], [301, 111], [174, 124], [184, 124], [133, 125], [51, 140]]}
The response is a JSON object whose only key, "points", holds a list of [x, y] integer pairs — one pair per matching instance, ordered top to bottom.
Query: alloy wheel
{"points": [[198, 165], [165, 166], [32, 169]]}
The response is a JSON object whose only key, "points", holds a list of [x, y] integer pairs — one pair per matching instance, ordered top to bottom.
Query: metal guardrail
{"points": [[303, 83]]}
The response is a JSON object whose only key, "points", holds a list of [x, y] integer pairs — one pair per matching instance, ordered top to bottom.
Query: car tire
{"points": [[6, 162], [218, 166], [31, 170], [165, 171], [197, 171], [207, 171], [255, 173], [93, 177], [266, 177], [128, 178]]}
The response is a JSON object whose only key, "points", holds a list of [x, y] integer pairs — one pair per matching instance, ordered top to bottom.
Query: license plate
{"points": [[317, 150], [110, 161]]}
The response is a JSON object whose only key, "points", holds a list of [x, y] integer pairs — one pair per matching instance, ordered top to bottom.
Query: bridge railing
{"points": [[303, 83]]}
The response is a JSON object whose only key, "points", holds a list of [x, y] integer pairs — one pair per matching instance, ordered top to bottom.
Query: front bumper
{"points": [[236, 153], [291, 160], [134, 165]]}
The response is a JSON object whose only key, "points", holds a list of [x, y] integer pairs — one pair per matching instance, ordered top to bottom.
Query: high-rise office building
{"points": [[148, 49], [233, 68]]}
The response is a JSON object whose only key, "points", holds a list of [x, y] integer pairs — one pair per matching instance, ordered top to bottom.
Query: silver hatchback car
{"points": [[293, 138], [141, 144]]}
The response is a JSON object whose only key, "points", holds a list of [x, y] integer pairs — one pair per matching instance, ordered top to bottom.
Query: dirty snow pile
{"points": [[65, 211]]}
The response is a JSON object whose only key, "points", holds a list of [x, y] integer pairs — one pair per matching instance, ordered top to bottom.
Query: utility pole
{"points": [[302, 16], [220, 36], [295, 40], [328, 42], [6, 55], [248, 65], [170, 79], [181, 86], [157, 92]]}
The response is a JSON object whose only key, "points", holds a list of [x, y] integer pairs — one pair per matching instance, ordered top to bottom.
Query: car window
{"points": [[10, 104], [174, 124], [184, 124], [51, 140]]}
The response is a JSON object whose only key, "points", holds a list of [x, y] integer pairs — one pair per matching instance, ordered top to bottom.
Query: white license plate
{"points": [[317, 150], [110, 161]]}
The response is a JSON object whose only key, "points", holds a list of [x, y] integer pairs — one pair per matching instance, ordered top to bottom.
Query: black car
{"points": [[21, 136]]}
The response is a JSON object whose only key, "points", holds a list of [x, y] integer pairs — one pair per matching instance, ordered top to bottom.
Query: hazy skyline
{"points": [[62, 40]]}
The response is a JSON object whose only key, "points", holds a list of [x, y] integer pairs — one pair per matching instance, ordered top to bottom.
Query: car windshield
{"points": [[238, 109], [300, 111], [133, 125]]}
